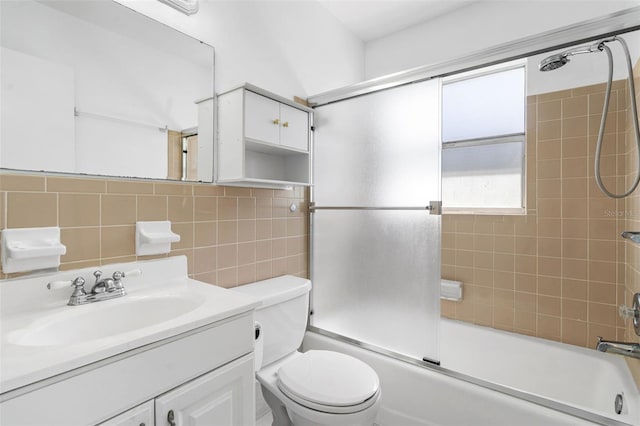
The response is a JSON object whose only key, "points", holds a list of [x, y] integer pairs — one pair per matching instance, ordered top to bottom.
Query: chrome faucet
{"points": [[631, 235], [105, 285], [102, 289], [620, 348]]}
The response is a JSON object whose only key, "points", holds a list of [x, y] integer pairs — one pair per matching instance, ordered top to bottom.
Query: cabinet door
{"points": [[262, 118], [294, 130], [224, 397], [142, 415]]}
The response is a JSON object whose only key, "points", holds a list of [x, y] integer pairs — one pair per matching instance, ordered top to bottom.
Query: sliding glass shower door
{"points": [[376, 224]]}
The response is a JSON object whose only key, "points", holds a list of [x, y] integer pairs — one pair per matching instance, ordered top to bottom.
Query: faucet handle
{"points": [[97, 273], [133, 273], [120, 275], [56, 285], [625, 312]]}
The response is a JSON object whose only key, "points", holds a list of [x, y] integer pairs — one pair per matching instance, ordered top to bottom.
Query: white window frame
{"points": [[490, 140]]}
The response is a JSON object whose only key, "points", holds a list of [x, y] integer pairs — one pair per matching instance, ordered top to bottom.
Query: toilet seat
{"points": [[330, 382], [329, 409]]}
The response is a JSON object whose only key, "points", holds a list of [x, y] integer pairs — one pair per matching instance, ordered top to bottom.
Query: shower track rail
{"points": [[619, 22]]}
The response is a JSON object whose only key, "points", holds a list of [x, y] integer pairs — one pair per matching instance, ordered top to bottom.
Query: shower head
{"points": [[553, 62]]}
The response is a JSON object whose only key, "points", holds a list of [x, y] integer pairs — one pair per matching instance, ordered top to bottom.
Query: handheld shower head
{"points": [[559, 59], [553, 62]]}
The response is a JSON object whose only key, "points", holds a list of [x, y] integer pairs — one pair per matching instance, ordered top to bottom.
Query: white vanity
{"points": [[172, 351]]}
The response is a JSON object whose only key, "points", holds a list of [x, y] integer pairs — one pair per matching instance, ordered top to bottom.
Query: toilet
{"points": [[311, 388]]}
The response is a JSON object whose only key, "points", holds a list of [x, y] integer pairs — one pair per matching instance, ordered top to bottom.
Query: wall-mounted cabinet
{"points": [[263, 139]]}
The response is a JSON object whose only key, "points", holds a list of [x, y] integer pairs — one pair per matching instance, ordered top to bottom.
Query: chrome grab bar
{"points": [[434, 207], [312, 208]]}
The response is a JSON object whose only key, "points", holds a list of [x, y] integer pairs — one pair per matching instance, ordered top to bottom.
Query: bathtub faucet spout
{"points": [[620, 348]]}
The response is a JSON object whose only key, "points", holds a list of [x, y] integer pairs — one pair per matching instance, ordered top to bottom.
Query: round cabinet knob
{"points": [[276, 121], [285, 124]]}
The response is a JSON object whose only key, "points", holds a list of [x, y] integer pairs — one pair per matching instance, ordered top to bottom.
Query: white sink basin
{"points": [[103, 319], [40, 336]]}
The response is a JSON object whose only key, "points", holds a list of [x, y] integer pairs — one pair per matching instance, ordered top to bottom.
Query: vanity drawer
{"points": [[102, 390]]}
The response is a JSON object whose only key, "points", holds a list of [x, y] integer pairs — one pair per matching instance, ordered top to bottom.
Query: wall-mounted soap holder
{"points": [[154, 238], [29, 249]]}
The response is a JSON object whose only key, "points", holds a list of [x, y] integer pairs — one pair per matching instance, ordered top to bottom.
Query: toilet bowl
{"points": [[315, 387], [321, 388]]}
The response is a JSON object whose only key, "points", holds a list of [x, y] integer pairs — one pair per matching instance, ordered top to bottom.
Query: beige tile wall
{"points": [[632, 213], [230, 235], [559, 271]]}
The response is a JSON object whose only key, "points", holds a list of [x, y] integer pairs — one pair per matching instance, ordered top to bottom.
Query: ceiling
{"points": [[372, 19]]}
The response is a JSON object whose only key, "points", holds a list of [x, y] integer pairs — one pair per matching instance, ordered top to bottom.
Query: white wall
{"points": [[476, 27], [290, 48]]}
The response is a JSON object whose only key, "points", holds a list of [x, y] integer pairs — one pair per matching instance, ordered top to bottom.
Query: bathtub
{"points": [[541, 383]]}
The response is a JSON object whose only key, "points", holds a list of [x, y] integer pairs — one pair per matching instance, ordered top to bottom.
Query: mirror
{"points": [[98, 89]]}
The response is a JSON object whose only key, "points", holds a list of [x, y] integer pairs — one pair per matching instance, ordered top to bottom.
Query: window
{"points": [[483, 140]]}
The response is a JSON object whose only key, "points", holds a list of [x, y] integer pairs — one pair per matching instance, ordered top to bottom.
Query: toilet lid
{"points": [[328, 378]]}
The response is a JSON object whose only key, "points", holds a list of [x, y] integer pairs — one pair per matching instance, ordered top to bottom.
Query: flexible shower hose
{"points": [[605, 109]]}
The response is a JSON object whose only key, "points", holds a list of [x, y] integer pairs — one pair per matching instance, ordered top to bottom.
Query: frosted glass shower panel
{"points": [[379, 149], [376, 278]]}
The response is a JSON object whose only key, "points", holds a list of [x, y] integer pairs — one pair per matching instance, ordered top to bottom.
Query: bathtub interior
{"points": [[572, 376]]}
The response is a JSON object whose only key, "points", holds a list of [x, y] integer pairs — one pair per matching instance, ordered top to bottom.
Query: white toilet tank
{"points": [[282, 314]]}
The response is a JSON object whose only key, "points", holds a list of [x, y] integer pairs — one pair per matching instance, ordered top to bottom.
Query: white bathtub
{"points": [[579, 381]]}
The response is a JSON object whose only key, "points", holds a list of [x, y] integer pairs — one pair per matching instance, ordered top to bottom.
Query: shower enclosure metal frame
{"points": [[584, 32]]}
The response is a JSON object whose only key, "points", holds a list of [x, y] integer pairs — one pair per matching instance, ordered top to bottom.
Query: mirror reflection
{"points": [[96, 88]]}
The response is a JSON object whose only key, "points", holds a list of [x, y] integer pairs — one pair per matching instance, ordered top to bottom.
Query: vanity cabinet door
{"points": [[262, 118], [294, 132], [224, 397], [142, 415]]}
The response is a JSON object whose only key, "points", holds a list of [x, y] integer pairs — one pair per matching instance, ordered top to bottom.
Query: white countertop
{"points": [[22, 364]]}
